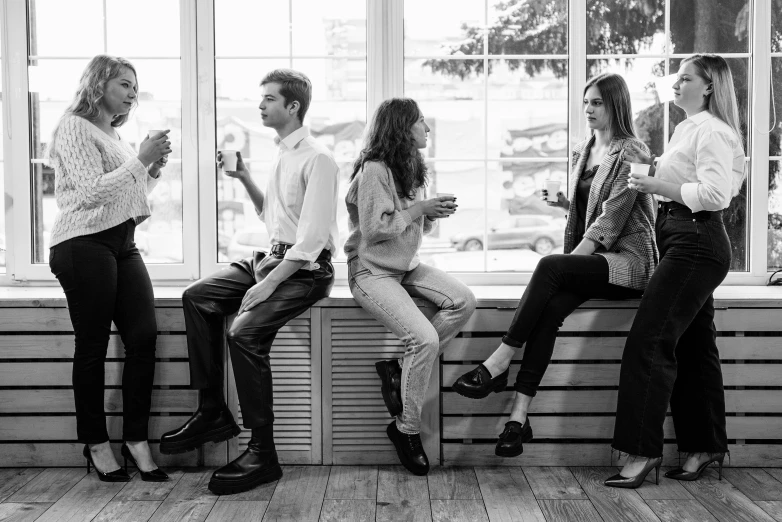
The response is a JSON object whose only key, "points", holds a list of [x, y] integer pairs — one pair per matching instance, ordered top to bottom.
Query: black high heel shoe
{"points": [[478, 383], [681, 474], [118, 475], [156, 475], [618, 481]]}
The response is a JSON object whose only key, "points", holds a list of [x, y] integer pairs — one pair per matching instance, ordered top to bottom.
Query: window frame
{"points": [[384, 66]]}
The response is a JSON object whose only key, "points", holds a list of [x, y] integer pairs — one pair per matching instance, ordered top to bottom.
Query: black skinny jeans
{"points": [[105, 280], [559, 285], [209, 300], [671, 351]]}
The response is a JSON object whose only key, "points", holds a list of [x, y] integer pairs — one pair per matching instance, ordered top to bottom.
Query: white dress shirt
{"points": [[704, 156], [300, 205]]}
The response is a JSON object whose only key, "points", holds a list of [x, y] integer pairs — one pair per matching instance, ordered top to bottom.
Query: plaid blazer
{"points": [[621, 220]]}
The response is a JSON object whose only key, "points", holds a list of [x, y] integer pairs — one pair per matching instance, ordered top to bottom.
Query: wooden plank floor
{"points": [[359, 493]]}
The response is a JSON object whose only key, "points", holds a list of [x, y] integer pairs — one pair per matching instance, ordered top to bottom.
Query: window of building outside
{"points": [[325, 39], [152, 44], [491, 80], [775, 147], [2, 169]]}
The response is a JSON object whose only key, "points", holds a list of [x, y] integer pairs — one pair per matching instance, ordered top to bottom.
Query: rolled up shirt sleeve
{"points": [[714, 170], [318, 211]]}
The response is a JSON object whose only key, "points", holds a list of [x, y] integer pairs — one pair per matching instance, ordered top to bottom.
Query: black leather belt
{"points": [[679, 210], [279, 249]]}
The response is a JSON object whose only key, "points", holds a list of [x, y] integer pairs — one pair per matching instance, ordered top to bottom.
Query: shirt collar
{"points": [[700, 117], [293, 139]]}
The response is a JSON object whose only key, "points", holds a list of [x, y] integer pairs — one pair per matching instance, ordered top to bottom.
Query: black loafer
{"points": [[391, 381], [478, 383], [202, 427], [512, 439], [250, 469]]}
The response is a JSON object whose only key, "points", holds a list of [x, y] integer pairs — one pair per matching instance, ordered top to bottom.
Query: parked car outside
{"points": [[541, 233]]}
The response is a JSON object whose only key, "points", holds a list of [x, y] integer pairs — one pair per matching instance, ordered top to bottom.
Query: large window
{"points": [[326, 40], [56, 61], [499, 81]]}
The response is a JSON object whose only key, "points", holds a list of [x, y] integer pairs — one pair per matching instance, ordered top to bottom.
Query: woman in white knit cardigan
{"points": [[101, 187], [388, 215]]}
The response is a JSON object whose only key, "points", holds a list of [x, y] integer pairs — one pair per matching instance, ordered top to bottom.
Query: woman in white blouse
{"points": [[671, 353]]}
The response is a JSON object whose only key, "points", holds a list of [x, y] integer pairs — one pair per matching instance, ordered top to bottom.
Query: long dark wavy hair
{"points": [[389, 140]]}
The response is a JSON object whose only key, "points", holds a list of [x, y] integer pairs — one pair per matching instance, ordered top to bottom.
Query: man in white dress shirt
{"points": [[299, 208]]}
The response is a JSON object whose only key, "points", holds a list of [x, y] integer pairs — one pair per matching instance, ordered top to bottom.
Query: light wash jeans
{"points": [[389, 299]]}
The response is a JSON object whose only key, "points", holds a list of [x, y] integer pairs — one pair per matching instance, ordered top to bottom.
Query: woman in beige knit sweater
{"points": [[101, 187], [388, 215]]}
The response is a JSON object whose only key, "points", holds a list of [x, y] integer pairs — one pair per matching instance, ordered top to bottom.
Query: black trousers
{"points": [[105, 280], [559, 285], [208, 301], [671, 351]]}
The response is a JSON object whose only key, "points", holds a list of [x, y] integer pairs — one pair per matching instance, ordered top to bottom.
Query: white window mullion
{"points": [[375, 54], [394, 63], [577, 71], [207, 216]]}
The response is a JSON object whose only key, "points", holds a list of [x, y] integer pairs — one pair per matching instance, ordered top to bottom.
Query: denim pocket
{"points": [[718, 240]]}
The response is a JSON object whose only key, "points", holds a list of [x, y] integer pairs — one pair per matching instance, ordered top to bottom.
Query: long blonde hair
{"points": [[92, 87], [721, 102]]}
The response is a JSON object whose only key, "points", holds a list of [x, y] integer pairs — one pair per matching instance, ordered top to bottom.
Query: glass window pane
{"points": [[710, 26], [46, 27], [435, 27], [528, 27], [625, 27], [251, 28], [321, 28], [776, 28], [160, 36], [640, 74], [451, 98], [528, 108], [775, 139], [2, 175], [774, 216], [457, 244]]}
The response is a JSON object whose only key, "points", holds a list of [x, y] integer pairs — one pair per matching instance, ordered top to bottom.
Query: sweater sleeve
{"points": [[81, 163], [379, 219]]}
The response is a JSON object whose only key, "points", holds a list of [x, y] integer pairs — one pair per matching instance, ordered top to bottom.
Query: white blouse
{"points": [[704, 156], [300, 206]]}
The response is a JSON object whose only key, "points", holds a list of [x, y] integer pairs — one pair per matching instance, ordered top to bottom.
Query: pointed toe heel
{"points": [[681, 474], [118, 475], [156, 475], [618, 481]]}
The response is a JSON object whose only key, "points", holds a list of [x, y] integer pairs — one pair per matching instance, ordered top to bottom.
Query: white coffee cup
{"points": [[153, 133], [229, 158], [642, 169], [552, 187], [446, 195]]}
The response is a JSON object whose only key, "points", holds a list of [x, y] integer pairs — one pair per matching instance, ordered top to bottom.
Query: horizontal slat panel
{"points": [[58, 320], [581, 320], [749, 320], [61, 347], [59, 374], [608, 374], [61, 401], [597, 401], [584, 427], [64, 428], [53, 454], [359, 456]]}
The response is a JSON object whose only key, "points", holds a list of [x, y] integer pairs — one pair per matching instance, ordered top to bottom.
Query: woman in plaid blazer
{"points": [[609, 253]]}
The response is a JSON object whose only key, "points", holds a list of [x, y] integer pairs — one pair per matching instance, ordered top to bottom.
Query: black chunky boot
{"points": [[212, 422], [257, 465]]}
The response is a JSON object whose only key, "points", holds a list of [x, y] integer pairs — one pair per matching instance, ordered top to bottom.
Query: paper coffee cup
{"points": [[151, 134], [229, 159], [641, 169], [552, 187], [445, 195]]}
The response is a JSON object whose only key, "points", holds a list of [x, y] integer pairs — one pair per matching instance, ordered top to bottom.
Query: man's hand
{"points": [[259, 293]]}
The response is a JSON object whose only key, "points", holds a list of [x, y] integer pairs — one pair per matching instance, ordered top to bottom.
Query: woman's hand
{"points": [[151, 150], [634, 154], [155, 168], [643, 184], [561, 202], [441, 207]]}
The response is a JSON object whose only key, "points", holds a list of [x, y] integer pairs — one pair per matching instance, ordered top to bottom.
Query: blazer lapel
{"points": [[579, 167], [603, 172]]}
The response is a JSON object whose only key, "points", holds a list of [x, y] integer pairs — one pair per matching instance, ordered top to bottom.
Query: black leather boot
{"points": [[391, 381], [478, 383], [208, 424], [409, 449], [257, 465]]}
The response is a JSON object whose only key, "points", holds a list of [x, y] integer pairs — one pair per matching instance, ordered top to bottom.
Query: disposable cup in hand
{"points": [[155, 133], [229, 158], [642, 169], [552, 187], [446, 195]]}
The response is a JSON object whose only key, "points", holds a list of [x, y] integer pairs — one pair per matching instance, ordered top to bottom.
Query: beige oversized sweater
{"points": [[99, 182], [382, 233]]}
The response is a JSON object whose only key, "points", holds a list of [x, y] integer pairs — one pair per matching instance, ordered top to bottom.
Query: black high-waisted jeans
{"points": [[105, 280], [559, 285], [671, 351]]}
